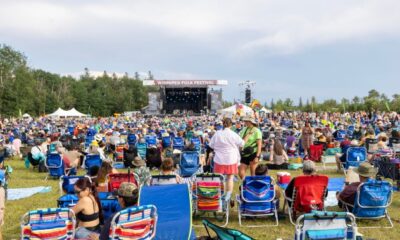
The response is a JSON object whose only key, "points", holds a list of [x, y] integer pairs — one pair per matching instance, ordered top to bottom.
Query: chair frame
{"points": [[61, 165], [239, 199], [225, 205], [138, 209], [386, 215]]}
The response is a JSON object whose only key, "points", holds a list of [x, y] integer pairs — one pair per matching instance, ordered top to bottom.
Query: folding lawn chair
{"points": [[151, 140], [178, 143], [371, 145], [142, 150], [316, 152], [354, 157], [92, 160], [54, 163], [189, 163], [114, 180], [157, 180], [67, 184], [308, 194], [208, 197], [257, 199], [372, 201], [109, 204], [174, 209], [138, 222], [51, 223], [326, 225], [225, 233]]}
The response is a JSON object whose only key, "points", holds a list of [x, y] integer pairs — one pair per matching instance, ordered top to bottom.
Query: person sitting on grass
{"points": [[278, 157], [128, 195]]}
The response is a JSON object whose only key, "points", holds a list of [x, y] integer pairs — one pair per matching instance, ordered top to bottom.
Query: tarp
{"points": [[232, 111], [19, 193], [174, 210]]}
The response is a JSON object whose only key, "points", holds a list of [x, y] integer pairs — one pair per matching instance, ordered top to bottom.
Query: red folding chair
{"points": [[316, 152], [114, 180], [308, 194]]}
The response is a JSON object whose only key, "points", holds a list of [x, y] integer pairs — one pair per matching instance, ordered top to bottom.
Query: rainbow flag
{"points": [[255, 104]]}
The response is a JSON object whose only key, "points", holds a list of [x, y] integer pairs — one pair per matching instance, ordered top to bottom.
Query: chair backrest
{"points": [[341, 134], [132, 139], [151, 140], [166, 142], [178, 143], [197, 143], [142, 149], [316, 152], [355, 156], [92, 160], [189, 163], [55, 165], [115, 179], [157, 180], [67, 183], [207, 191], [309, 192], [257, 195], [372, 199], [67, 201], [109, 204], [52, 223], [134, 223], [325, 225], [225, 233]]}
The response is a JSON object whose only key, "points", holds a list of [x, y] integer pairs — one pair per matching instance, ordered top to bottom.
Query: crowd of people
{"points": [[230, 146]]}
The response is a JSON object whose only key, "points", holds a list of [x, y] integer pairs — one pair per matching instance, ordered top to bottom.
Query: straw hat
{"points": [[249, 119], [138, 162], [366, 170]]}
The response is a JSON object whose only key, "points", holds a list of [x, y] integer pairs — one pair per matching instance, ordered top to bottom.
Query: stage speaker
{"points": [[248, 96]]}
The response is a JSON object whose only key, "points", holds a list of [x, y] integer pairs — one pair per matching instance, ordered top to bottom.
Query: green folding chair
{"points": [[225, 233]]}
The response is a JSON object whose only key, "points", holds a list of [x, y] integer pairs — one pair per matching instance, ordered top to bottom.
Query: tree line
{"points": [[38, 92]]}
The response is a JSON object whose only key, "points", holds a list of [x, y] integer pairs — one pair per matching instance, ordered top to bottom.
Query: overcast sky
{"points": [[322, 48]]}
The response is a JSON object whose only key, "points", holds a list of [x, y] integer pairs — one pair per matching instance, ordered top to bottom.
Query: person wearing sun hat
{"points": [[251, 152], [365, 171], [143, 172]]}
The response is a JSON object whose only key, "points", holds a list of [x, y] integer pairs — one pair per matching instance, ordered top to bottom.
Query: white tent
{"points": [[232, 110], [58, 113], [75, 113], [26, 115]]}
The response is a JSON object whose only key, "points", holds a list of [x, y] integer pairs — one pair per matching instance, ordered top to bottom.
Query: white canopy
{"points": [[232, 110], [265, 110], [58, 113], [75, 113], [26, 115]]}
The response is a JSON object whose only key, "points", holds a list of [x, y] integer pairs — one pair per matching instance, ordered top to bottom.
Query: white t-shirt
{"points": [[226, 144]]}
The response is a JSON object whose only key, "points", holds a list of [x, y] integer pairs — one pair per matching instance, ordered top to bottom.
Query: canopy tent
{"points": [[233, 110], [58, 113], [75, 113], [26, 115]]}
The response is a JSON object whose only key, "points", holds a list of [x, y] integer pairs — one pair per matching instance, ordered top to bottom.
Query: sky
{"points": [[290, 48]]}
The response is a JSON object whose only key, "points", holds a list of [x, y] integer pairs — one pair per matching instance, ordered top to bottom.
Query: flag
{"points": [[255, 104], [387, 106], [239, 109]]}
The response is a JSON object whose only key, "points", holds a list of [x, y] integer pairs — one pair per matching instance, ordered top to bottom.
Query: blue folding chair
{"points": [[341, 134], [132, 139], [151, 140], [166, 142], [178, 143], [197, 144], [142, 150], [354, 157], [92, 160], [189, 163], [56, 166], [67, 184], [257, 199], [67, 201], [372, 201], [109, 204], [138, 222], [319, 225]]}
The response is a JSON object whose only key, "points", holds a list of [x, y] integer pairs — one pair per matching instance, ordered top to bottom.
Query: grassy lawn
{"points": [[22, 177]]}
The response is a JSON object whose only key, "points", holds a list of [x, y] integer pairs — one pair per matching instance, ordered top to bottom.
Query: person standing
{"points": [[307, 138], [227, 145], [251, 152]]}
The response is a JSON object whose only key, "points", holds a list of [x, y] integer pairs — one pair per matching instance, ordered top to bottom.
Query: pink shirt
{"points": [[226, 144]]}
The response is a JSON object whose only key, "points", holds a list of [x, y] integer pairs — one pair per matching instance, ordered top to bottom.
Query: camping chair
{"points": [[341, 134], [132, 139], [151, 140], [166, 142], [178, 143], [197, 144], [371, 145], [142, 150], [316, 152], [329, 156], [354, 157], [92, 160], [54, 163], [189, 163], [114, 180], [157, 180], [67, 184], [308, 194], [208, 197], [257, 199], [66, 201], [372, 201], [109, 204], [174, 209], [51, 223], [134, 223], [326, 225], [225, 233]]}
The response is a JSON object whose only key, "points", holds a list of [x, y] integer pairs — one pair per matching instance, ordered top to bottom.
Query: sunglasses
{"points": [[78, 191]]}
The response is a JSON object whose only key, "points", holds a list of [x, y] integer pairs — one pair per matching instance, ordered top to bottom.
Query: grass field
{"points": [[22, 177]]}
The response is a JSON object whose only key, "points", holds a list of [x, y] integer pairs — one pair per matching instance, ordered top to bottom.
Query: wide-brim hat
{"points": [[249, 119], [137, 162], [366, 170]]}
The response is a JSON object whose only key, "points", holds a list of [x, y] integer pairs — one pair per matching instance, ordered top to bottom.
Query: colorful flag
{"points": [[255, 104]]}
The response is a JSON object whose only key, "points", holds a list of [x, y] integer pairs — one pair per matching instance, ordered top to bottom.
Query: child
{"points": [[167, 168]]}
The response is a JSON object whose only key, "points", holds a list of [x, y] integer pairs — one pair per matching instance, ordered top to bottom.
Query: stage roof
{"points": [[190, 83]]}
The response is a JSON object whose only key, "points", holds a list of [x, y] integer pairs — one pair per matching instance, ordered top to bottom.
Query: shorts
{"points": [[247, 159], [225, 169]]}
